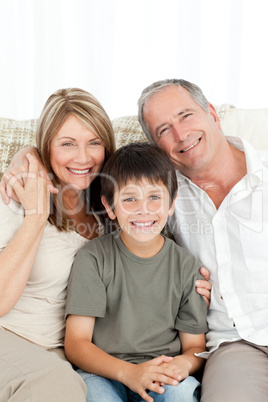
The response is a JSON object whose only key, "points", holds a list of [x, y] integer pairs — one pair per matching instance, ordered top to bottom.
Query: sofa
{"points": [[250, 124]]}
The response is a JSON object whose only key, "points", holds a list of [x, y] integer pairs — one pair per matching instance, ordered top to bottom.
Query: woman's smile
{"points": [[76, 154]]}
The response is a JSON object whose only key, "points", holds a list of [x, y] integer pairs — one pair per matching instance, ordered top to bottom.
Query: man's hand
{"points": [[19, 168], [203, 287]]}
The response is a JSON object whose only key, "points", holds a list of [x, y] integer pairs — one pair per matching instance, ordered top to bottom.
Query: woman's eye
{"points": [[95, 143], [67, 144]]}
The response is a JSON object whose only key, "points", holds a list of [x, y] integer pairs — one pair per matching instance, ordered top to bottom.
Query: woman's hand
{"points": [[19, 168], [33, 194], [203, 287]]}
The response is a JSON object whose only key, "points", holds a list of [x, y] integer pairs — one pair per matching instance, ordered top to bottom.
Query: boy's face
{"points": [[142, 209]]}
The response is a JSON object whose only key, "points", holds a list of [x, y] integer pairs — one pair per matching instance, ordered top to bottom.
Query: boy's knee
{"points": [[187, 390]]}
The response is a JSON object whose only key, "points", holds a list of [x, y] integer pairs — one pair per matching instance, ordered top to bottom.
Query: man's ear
{"points": [[214, 114], [172, 207], [109, 210]]}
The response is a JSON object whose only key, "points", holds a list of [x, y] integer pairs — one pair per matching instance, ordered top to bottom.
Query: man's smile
{"points": [[191, 146]]}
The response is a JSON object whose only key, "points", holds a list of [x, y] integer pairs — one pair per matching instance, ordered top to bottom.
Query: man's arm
{"points": [[19, 167], [83, 353]]}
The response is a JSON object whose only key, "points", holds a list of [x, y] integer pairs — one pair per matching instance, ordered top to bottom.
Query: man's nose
{"points": [[180, 133]]}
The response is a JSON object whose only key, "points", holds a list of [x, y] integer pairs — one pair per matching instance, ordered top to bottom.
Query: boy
{"points": [[134, 319]]}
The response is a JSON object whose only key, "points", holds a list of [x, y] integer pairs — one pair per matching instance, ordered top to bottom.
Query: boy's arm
{"points": [[83, 353], [187, 363]]}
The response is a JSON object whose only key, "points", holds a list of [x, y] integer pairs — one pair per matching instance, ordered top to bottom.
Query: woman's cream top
{"points": [[39, 313]]}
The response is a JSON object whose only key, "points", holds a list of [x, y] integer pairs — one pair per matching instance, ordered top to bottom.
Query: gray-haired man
{"points": [[221, 215]]}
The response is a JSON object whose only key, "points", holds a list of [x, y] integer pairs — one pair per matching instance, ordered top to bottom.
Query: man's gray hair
{"points": [[195, 92]]}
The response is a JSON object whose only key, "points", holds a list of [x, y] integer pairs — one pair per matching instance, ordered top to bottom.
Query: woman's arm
{"points": [[19, 167], [16, 260], [83, 353]]}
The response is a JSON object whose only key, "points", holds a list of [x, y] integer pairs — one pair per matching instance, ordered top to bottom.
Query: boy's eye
{"points": [[154, 197], [129, 199]]}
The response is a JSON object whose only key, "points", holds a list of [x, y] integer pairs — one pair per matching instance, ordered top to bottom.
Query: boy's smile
{"points": [[142, 209]]}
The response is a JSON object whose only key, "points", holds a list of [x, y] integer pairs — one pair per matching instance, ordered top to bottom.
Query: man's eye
{"points": [[187, 115], [163, 131]]}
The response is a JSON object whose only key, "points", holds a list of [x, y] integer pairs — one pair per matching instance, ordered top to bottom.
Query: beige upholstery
{"points": [[251, 124], [14, 135]]}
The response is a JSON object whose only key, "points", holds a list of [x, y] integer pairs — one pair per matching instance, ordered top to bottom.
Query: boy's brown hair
{"points": [[137, 161]]}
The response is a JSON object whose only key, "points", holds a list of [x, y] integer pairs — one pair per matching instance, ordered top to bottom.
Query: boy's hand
{"points": [[19, 168], [204, 287], [179, 365], [148, 376]]}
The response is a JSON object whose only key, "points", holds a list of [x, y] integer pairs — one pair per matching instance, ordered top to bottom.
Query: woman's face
{"points": [[76, 154]]}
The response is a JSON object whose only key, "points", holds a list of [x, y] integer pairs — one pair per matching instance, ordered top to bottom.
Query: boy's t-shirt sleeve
{"points": [[86, 295], [192, 313]]}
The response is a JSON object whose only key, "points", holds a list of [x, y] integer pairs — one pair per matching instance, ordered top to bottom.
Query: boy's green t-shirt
{"points": [[140, 304]]}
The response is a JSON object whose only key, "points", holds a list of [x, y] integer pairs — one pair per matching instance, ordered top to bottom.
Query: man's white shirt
{"points": [[232, 242]]}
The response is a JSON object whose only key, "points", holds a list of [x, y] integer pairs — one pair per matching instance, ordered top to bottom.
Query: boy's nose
{"points": [[143, 207]]}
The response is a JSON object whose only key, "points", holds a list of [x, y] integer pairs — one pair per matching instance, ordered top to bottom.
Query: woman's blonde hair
{"points": [[59, 106]]}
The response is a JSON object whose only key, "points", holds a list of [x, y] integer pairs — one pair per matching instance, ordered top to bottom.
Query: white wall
{"points": [[114, 48]]}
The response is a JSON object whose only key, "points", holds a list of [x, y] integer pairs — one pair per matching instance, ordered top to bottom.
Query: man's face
{"points": [[189, 135]]}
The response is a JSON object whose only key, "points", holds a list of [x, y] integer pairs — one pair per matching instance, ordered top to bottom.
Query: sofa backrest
{"points": [[250, 124]]}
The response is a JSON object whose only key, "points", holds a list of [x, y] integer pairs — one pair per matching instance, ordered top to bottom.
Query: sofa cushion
{"points": [[252, 125], [127, 129], [14, 135]]}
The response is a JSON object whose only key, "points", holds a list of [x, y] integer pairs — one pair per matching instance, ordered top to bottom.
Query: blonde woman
{"points": [[39, 238]]}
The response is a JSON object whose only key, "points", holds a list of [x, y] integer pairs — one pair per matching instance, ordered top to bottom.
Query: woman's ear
{"points": [[109, 210]]}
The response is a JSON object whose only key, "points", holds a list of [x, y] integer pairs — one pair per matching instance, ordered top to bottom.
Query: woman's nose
{"points": [[83, 155]]}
